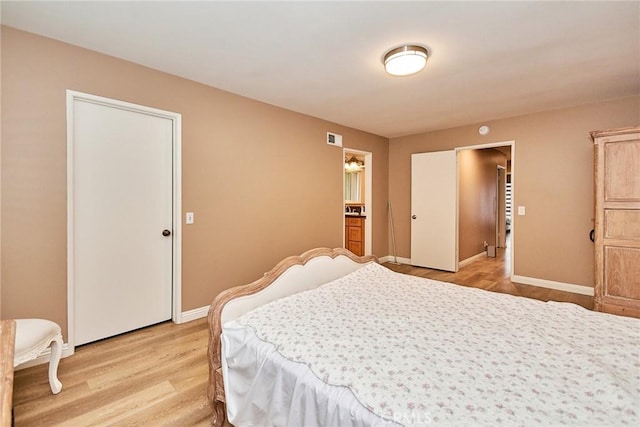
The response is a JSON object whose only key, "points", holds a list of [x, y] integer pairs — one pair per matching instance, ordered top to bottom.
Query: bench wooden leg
{"points": [[56, 352]]}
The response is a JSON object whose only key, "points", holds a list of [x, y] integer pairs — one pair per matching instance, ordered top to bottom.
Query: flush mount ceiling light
{"points": [[405, 60]]}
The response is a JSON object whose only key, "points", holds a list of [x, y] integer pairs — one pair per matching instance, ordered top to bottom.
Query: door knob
{"points": [[413, 217], [166, 232]]}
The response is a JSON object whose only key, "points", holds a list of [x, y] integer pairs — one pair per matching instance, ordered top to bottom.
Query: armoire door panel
{"points": [[621, 158], [622, 224], [622, 272]]}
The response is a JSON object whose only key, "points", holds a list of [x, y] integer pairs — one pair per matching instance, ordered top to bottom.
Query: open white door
{"points": [[434, 217]]}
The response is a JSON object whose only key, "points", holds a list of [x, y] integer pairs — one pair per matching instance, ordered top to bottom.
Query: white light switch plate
{"points": [[521, 210], [189, 218]]}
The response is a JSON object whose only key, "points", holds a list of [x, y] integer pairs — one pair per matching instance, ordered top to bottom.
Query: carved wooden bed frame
{"points": [[291, 275]]}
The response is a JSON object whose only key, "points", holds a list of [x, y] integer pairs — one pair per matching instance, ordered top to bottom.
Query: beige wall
{"points": [[552, 178], [261, 180], [477, 193]]}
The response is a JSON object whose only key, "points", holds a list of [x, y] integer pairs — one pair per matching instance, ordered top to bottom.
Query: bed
{"points": [[329, 338]]}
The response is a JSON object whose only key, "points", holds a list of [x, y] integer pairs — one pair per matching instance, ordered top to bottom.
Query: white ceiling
{"points": [[489, 59]]}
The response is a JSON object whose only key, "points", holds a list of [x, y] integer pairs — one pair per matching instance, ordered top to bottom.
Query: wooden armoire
{"points": [[617, 224]]}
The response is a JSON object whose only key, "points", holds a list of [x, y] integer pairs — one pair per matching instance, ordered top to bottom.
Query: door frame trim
{"points": [[512, 144], [368, 198], [500, 211], [176, 282]]}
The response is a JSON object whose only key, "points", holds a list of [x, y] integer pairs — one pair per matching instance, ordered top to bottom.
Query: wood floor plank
{"points": [[29, 408], [187, 408], [118, 410]]}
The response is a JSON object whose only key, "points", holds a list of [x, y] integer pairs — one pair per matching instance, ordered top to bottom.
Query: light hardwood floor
{"points": [[493, 274], [158, 375]]}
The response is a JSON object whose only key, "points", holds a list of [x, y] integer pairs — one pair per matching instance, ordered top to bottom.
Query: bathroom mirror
{"points": [[353, 187]]}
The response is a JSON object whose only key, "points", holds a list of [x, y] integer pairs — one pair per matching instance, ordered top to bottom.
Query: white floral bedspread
{"points": [[422, 352]]}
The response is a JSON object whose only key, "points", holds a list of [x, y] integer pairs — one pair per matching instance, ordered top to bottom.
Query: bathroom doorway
{"points": [[358, 195]]}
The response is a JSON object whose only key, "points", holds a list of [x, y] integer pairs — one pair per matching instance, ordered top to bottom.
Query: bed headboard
{"points": [[291, 275], [296, 275]]}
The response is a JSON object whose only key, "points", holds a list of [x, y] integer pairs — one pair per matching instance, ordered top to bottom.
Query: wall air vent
{"points": [[334, 139]]}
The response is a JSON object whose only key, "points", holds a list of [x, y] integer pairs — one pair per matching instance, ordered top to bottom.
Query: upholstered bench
{"points": [[33, 336]]}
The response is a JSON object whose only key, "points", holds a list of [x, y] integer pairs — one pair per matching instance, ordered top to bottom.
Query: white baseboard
{"points": [[391, 258], [472, 259], [550, 284], [195, 314]]}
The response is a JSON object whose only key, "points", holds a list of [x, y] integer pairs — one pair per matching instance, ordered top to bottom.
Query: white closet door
{"points": [[122, 187], [434, 223]]}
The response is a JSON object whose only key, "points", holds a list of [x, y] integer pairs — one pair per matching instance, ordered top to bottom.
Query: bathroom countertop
{"points": [[351, 215]]}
